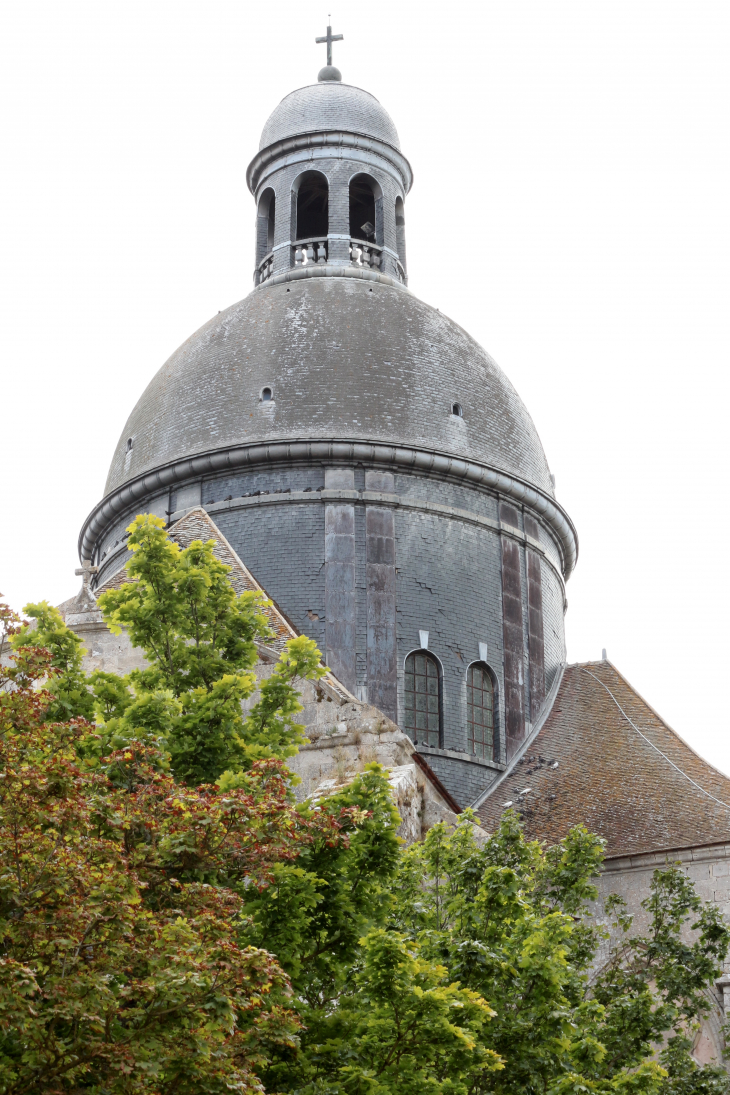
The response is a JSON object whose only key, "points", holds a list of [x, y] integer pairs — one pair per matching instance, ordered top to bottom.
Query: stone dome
{"points": [[329, 106], [343, 359]]}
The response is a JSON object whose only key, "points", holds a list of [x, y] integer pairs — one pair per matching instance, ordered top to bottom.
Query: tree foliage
{"points": [[199, 639], [511, 921], [172, 922], [124, 964]]}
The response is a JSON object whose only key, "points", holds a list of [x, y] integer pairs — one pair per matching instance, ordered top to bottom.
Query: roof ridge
{"points": [[656, 715], [650, 742]]}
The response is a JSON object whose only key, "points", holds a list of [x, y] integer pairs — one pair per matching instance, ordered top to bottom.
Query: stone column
{"points": [[339, 555], [380, 577], [514, 647]]}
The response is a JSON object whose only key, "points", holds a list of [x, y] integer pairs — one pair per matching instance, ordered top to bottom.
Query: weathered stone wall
{"points": [[343, 737], [709, 870]]}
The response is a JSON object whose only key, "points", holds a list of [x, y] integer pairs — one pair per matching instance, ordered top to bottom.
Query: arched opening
{"points": [[310, 207], [366, 210], [265, 222], [400, 233], [266, 395], [457, 409], [422, 717], [480, 719]]}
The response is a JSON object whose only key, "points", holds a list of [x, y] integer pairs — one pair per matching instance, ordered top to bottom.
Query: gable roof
{"points": [[197, 525], [604, 758]]}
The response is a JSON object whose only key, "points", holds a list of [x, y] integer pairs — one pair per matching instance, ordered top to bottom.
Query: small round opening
{"points": [[266, 395], [456, 409], [130, 443]]}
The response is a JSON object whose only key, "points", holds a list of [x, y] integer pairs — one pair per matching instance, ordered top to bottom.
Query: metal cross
{"points": [[329, 39], [86, 570]]}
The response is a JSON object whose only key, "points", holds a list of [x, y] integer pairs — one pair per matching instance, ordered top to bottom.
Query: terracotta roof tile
{"points": [[640, 786]]}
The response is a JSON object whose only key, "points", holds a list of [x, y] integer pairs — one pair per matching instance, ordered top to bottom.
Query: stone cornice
{"points": [[335, 140], [330, 270], [307, 451]]}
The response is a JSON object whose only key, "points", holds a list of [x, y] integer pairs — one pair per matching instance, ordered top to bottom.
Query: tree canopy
{"points": [[173, 922]]}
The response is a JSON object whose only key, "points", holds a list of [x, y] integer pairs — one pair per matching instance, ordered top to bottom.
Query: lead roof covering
{"points": [[329, 106], [343, 362]]}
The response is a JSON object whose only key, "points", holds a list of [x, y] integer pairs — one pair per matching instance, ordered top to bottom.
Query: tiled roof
{"points": [[197, 525], [640, 786]]}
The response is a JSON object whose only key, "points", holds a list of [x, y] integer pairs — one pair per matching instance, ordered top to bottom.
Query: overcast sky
{"points": [[570, 210]]}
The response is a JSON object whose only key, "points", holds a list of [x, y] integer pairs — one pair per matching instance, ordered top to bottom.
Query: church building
{"points": [[365, 462]]}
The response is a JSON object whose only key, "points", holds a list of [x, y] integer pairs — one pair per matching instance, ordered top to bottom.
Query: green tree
{"points": [[199, 639], [68, 683], [157, 862], [128, 903], [512, 922], [124, 968]]}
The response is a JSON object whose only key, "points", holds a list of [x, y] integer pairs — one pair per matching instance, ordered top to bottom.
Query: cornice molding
{"points": [[336, 140], [330, 270], [307, 451]]}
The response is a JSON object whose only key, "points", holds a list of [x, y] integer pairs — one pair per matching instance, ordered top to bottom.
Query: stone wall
{"points": [[709, 869]]}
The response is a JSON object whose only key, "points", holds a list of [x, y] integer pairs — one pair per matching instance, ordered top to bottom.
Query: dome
{"points": [[331, 106], [341, 362]]}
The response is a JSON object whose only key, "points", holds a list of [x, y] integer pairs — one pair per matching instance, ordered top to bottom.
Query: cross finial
{"points": [[329, 38], [86, 570]]}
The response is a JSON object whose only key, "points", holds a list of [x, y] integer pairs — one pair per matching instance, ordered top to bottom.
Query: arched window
{"points": [[310, 207], [366, 210], [265, 222], [400, 232], [422, 706], [480, 710]]}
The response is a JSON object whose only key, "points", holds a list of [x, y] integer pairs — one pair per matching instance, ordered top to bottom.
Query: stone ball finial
{"points": [[329, 72]]}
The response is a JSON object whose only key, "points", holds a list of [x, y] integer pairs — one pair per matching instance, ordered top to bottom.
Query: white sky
{"points": [[570, 210]]}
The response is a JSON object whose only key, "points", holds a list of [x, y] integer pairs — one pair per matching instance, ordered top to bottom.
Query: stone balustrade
{"points": [[306, 252], [365, 254], [265, 268]]}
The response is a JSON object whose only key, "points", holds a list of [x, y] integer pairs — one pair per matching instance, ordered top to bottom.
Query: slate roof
{"points": [[329, 106], [343, 363], [197, 525], [639, 786]]}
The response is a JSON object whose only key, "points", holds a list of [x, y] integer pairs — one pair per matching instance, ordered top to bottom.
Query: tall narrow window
{"points": [[312, 207], [366, 210], [265, 221], [271, 223], [400, 232], [422, 707], [480, 710]]}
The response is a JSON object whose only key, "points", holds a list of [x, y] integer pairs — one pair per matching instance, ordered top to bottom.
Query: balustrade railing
{"points": [[316, 250], [306, 252], [365, 254], [265, 268]]}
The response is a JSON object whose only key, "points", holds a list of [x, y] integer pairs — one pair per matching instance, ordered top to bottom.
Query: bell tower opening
{"points": [[310, 202], [366, 210], [265, 223], [400, 232]]}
